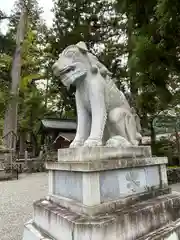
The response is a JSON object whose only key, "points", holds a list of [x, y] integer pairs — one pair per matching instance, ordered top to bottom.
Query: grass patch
{"points": [[170, 167]]}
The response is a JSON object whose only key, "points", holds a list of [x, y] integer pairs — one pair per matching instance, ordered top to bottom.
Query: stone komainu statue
{"points": [[104, 115]]}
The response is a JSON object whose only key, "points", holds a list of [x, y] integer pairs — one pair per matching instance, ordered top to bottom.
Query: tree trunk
{"points": [[131, 72], [46, 96], [61, 111], [10, 123], [153, 137], [42, 140], [22, 143], [34, 144], [177, 144]]}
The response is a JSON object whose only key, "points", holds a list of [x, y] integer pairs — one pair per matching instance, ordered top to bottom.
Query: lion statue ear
{"points": [[82, 47]]}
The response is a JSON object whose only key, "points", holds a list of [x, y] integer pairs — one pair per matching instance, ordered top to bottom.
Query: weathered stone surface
{"points": [[102, 153], [103, 158], [101, 165], [153, 176], [68, 184], [118, 184], [80, 185], [94, 188], [106, 207], [129, 223], [170, 231], [31, 232]]}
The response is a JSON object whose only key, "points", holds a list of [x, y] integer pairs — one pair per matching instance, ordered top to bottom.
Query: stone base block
{"points": [[96, 154], [96, 186], [104, 194], [107, 207], [130, 223], [170, 231], [31, 232]]}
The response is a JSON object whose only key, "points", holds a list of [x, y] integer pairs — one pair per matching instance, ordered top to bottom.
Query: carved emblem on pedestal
{"points": [[133, 182]]}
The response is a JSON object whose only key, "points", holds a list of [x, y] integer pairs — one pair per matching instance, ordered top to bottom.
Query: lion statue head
{"points": [[75, 62]]}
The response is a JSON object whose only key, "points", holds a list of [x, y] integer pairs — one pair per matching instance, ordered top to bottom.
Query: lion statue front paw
{"points": [[118, 141], [76, 143], [92, 143]]}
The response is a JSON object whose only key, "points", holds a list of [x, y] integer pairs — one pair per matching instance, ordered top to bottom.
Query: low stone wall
{"points": [[32, 165], [35, 166], [173, 175]]}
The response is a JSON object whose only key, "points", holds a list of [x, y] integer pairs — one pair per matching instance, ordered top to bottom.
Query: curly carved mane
{"points": [[76, 54]]}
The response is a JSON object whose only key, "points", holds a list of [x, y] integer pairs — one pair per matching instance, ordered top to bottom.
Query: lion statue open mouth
{"points": [[70, 66], [104, 115]]}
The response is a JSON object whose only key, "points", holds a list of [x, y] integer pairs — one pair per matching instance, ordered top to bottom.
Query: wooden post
{"points": [[10, 123]]}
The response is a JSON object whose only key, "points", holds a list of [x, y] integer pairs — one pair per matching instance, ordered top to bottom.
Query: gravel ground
{"points": [[16, 199]]}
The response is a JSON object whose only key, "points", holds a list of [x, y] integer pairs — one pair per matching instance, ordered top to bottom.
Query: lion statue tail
{"points": [[133, 128]]}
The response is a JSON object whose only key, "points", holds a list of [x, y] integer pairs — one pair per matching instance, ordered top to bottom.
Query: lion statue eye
{"points": [[70, 54], [74, 56]]}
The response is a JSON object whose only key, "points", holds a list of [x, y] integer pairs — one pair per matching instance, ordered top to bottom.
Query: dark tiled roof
{"points": [[62, 124], [68, 136]]}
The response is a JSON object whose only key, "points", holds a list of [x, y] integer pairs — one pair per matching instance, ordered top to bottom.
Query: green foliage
{"points": [[33, 12], [6, 45], [148, 57], [153, 59], [26, 81], [30, 99], [32, 109], [168, 121], [165, 147]]}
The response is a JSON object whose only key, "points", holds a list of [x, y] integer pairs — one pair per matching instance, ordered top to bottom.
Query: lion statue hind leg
{"points": [[124, 124]]}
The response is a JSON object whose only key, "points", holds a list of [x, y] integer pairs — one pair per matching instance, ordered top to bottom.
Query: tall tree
{"points": [[32, 58], [148, 58], [10, 123]]}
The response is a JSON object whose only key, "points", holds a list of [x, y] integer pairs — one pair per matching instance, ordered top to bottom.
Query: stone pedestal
{"points": [[106, 194]]}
